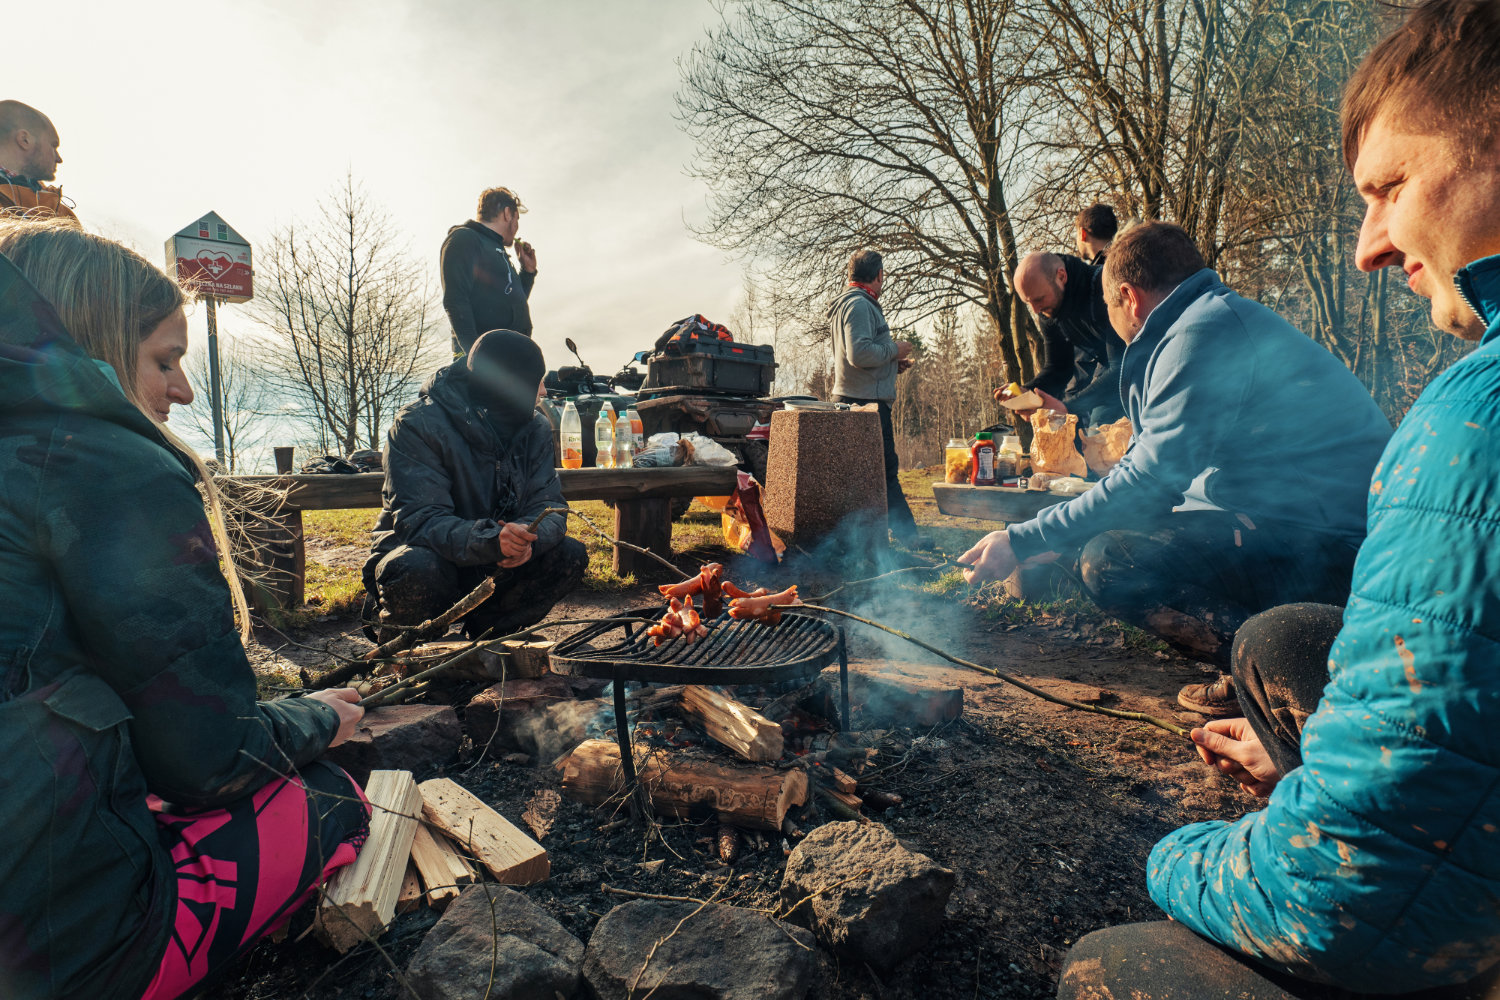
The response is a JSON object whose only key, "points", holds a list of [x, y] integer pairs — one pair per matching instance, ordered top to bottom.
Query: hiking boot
{"points": [[1215, 699]]}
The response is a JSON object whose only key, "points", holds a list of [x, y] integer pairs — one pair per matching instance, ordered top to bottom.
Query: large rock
{"points": [[544, 717], [399, 738], [885, 902], [721, 953], [531, 956]]}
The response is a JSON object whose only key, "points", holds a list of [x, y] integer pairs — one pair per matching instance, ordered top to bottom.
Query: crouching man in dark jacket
{"points": [[468, 466]]}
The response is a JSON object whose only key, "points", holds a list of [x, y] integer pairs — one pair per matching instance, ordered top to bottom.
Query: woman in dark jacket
{"points": [[159, 818]]}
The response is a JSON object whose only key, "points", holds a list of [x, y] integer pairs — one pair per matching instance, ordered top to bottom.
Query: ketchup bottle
{"points": [[982, 455]]}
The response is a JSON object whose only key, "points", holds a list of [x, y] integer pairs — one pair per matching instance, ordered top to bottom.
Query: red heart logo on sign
{"points": [[214, 262]]}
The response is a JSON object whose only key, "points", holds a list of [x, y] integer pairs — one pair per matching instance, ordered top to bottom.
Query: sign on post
{"points": [[212, 260]]}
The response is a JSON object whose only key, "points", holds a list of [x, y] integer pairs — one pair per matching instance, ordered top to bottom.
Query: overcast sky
{"points": [[255, 109]]}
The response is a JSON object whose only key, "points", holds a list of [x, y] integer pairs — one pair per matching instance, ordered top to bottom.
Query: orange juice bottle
{"points": [[571, 433]]}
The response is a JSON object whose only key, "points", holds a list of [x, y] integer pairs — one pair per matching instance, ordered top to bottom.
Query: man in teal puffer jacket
{"points": [[1375, 866]]}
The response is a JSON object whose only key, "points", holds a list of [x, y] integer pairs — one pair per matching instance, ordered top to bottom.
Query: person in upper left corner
{"points": [[29, 158], [482, 288]]}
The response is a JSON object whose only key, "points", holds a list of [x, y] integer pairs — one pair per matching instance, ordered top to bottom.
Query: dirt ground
{"points": [[1046, 815]]}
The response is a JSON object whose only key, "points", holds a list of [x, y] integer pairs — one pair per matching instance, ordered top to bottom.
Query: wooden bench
{"points": [[642, 499]]}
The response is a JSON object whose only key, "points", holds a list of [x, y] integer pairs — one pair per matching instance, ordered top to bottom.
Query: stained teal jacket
{"points": [[120, 670], [1376, 864]]}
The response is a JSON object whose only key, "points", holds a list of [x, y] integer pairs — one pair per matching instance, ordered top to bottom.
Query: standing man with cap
{"points": [[28, 158], [482, 288]]}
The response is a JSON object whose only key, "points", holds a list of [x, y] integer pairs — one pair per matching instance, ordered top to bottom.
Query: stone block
{"points": [[825, 472], [399, 738], [887, 902], [491, 931], [719, 953]]}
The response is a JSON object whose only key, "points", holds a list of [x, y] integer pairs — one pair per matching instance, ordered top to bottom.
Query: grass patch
{"points": [[340, 527]]}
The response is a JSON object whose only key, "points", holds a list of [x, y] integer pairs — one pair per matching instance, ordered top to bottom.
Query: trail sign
{"points": [[212, 259]]}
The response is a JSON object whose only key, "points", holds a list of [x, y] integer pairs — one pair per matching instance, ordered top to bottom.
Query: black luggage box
{"points": [[713, 364]]}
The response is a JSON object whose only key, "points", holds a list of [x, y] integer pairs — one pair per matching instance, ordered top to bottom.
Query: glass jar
{"points": [[956, 461]]}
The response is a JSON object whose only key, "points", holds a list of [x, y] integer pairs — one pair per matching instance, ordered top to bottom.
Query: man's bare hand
{"points": [[526, 254], [903, 350], [903, 365], [515, 544], [991, 559], [344, 702], [1232, 746]]}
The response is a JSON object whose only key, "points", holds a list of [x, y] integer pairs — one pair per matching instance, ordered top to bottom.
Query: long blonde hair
{"points": [[110, 299]]}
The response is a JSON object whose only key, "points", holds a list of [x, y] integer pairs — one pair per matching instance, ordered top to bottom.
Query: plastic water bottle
{"points": [[571, 429], [637, 429], [604, 438], [624, 456]]}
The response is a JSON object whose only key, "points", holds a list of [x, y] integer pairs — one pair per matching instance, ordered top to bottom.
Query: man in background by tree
{"points": [[28, 158], [1096, 227], [482, 289], [1081, 353], [866, 361], [468, 467], [1244, 487], [1371, 728]]}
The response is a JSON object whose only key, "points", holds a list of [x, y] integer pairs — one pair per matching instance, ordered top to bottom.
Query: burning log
{"points": [[738, 727], [754, 798], [511, 856], [442, 868], [361, 898]]}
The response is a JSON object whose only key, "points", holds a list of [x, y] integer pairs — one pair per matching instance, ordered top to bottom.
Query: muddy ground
{"points": [[1045, 814]]}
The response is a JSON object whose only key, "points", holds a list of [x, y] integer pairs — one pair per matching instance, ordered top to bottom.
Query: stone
{"points": [[825, 473], [883, 697], [542, 716], [399, 738], [880, 917], [720, 953], [533, 957]]}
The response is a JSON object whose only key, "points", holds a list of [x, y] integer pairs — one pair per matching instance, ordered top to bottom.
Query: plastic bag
{"points": [[1105, 445], [1053, 447], [662, 451], [707, 451], [744, 523]]}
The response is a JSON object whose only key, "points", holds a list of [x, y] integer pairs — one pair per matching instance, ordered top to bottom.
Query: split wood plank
{"points": [[737, 726], [843, 782], [752, 797], [509, 854], [444, 871], [411, 890], [360, 899]]}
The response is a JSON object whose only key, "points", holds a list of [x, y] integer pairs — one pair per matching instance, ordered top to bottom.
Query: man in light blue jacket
{"points": [[866, 361], [1244, 486], [1375, 866]]}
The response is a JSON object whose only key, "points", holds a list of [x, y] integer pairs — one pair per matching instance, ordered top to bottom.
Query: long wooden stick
{"points": [[630, 545], [386, 695], [1175, 730]]}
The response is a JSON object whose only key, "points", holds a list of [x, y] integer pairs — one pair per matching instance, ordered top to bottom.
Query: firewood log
{"points": [[738, 727], [748, 797], [361, 898]]}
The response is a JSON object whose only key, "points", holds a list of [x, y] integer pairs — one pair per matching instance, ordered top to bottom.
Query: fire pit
{"points": [[735, 652]]}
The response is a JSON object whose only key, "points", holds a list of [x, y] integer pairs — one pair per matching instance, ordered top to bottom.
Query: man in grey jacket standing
{"points": [[866, 361]]}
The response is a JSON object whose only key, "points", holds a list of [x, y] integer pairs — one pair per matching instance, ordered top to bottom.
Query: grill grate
{"points": [[735, 652]]}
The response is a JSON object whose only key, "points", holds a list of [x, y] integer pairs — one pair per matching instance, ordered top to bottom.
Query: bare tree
{"points": [[826, 126], [351, 313], [243, 389]]}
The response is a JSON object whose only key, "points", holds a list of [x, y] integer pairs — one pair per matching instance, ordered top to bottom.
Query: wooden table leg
{"points": [[647, 523], [275, 575]]}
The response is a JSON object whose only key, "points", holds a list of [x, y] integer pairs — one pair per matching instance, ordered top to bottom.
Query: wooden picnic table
{"points": [[642, 499]]}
